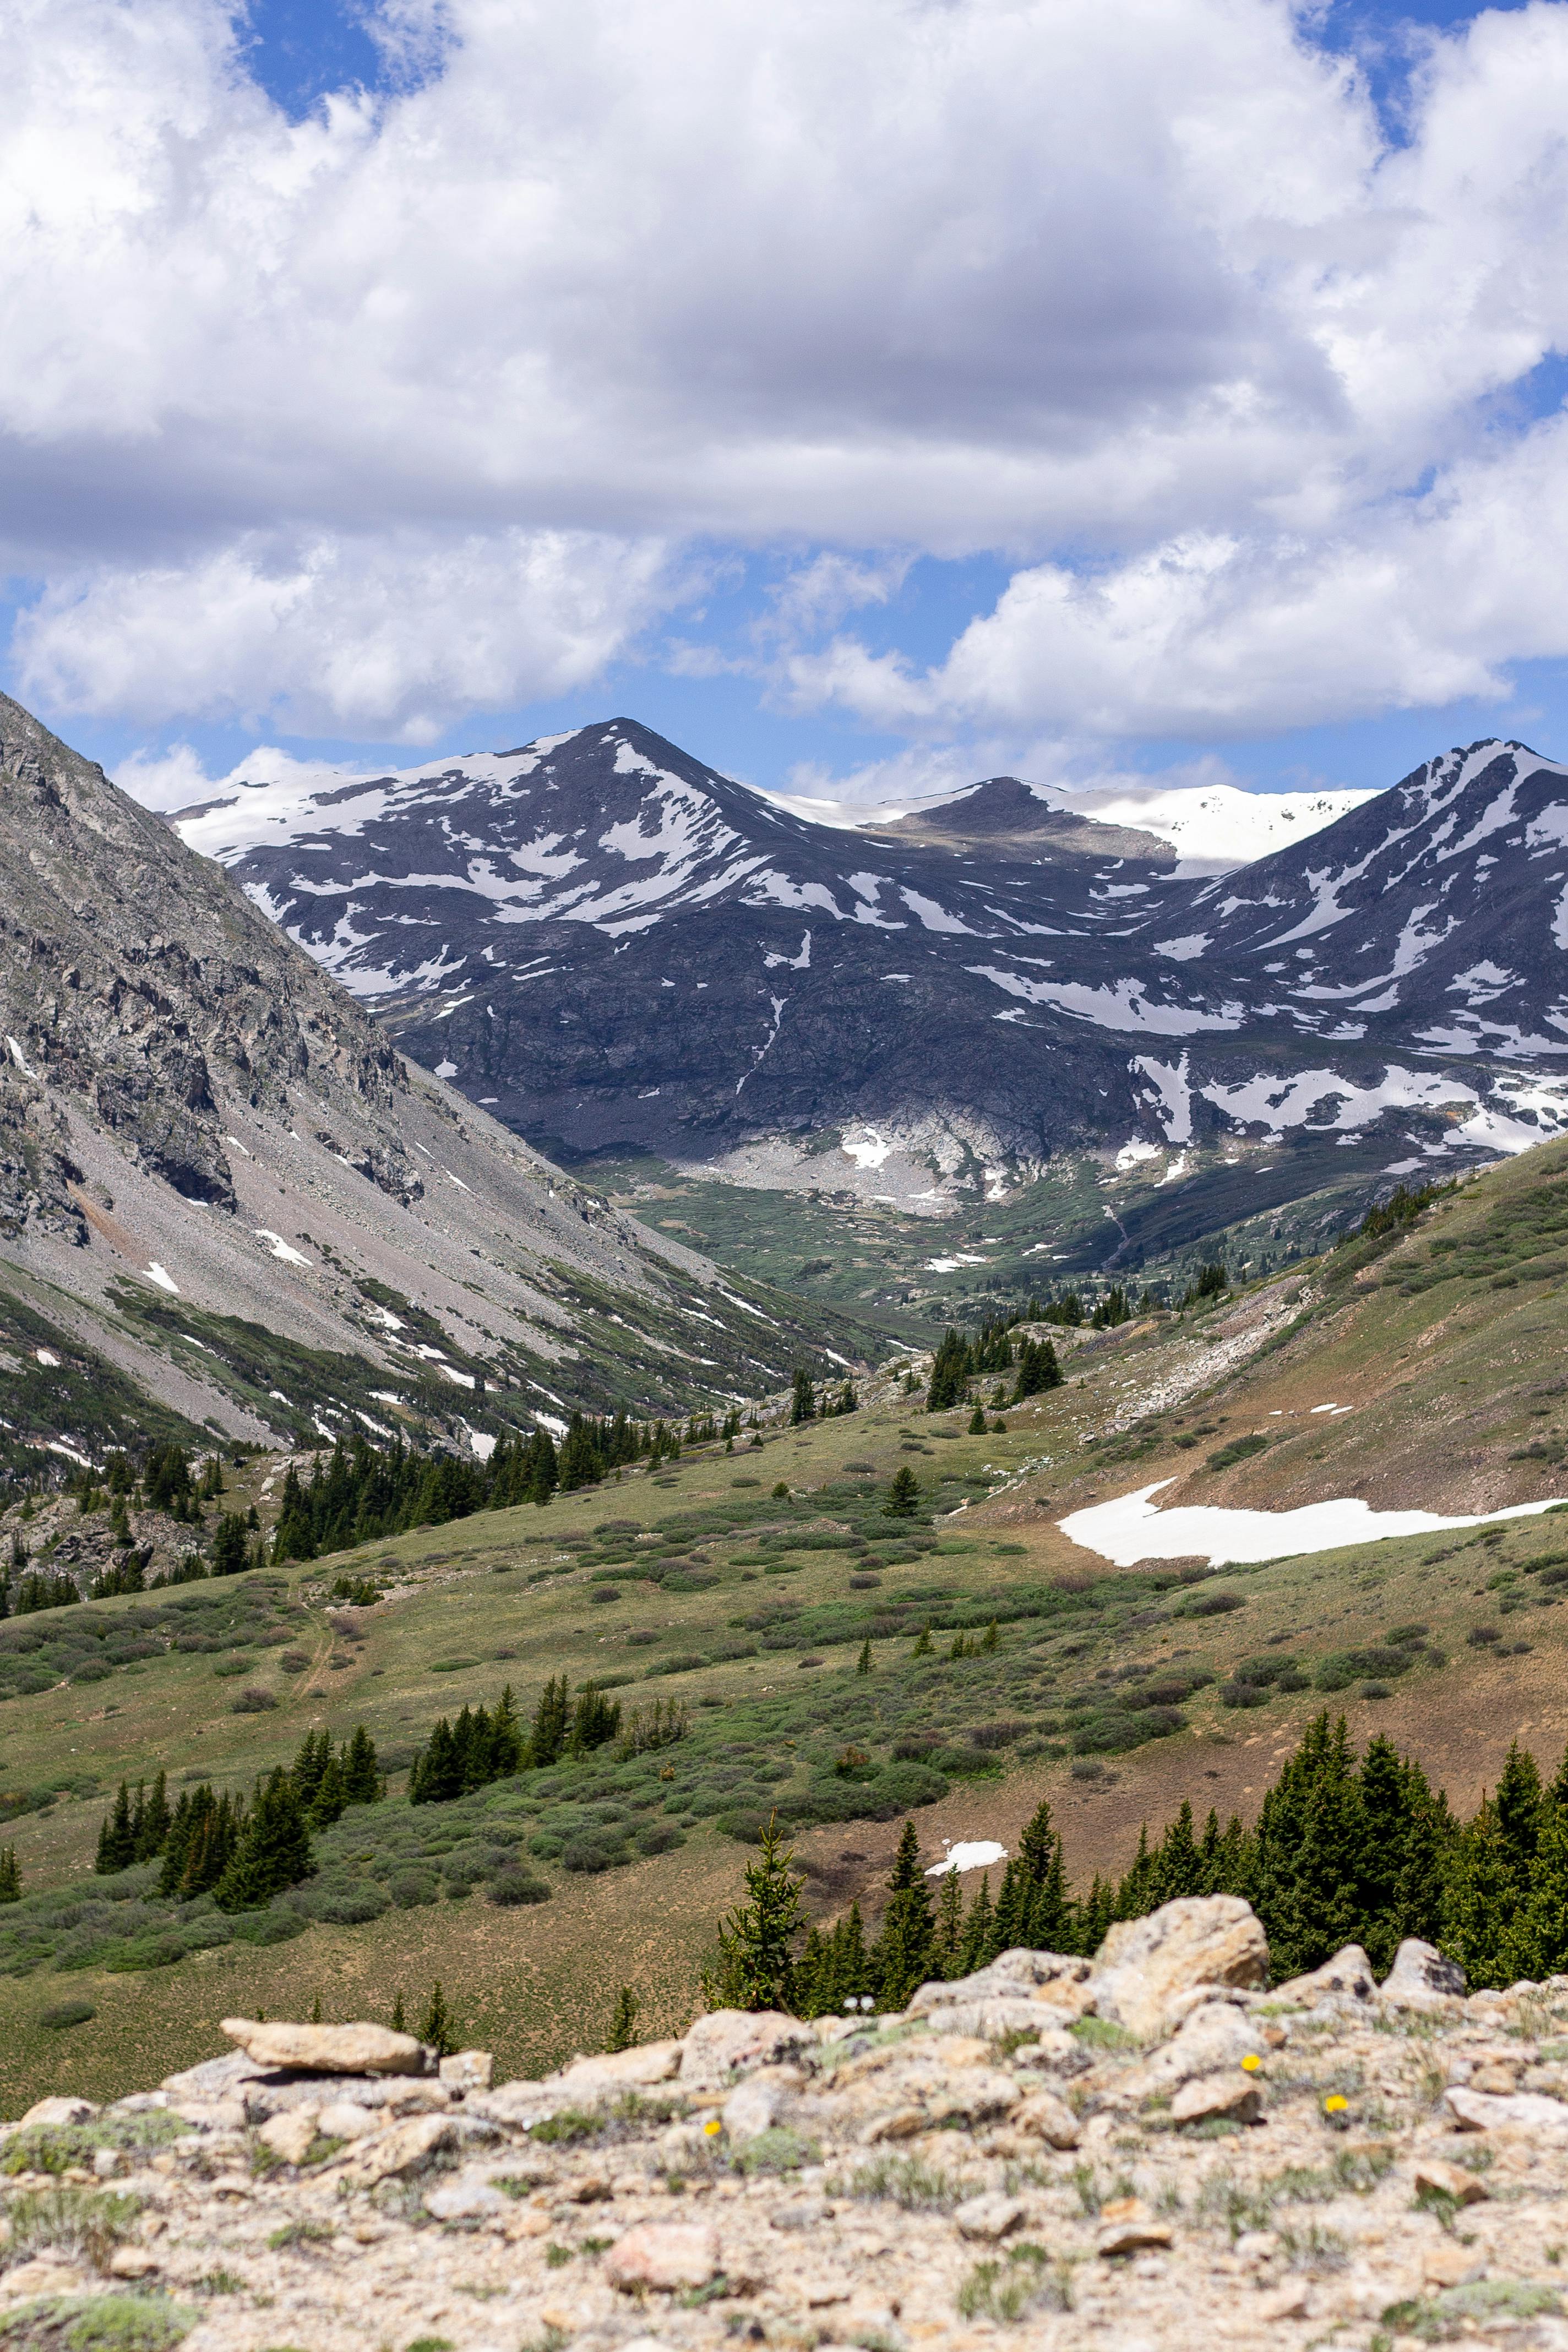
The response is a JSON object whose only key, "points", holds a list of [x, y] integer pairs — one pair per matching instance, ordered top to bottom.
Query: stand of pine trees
{"points": [[482, 1747], [1345, 1850], [241, 1854]]}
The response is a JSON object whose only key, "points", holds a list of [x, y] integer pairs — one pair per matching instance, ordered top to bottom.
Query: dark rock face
{"points": [[609, 943]]}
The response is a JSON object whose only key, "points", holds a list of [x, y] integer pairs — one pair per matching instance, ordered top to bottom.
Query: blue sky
{"points": [[460, 381]]}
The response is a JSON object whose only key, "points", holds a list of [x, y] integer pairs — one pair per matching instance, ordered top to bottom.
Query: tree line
{"points": [[1344, 1851]]}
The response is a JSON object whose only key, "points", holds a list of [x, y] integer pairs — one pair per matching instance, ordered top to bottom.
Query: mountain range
{"points": [[612, 946], [229, 1203]]}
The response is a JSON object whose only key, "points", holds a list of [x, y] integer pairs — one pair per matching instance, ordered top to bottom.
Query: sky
{"points": [[869, 394]]}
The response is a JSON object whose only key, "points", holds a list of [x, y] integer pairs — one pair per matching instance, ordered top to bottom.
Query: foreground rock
{"points": [[1333, 2162]]}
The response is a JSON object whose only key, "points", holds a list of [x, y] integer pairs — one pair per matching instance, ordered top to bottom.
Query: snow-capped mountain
{"points": [[608, 943]]}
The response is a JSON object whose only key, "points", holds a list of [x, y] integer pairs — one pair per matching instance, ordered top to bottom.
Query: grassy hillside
{"points": [[1114, 1691]]}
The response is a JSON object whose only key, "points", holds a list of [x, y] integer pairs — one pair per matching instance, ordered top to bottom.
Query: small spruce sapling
{"points": [[624, 2023], [436, 2028]]}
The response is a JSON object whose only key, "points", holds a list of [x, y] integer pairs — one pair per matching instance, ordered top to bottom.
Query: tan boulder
{"points": [[1145, 1966], [1347, 1977], [1421, 1978], [1215, 2036], [736, 2038], [329, 2049], [650, 2061], [469, 2070], [1235, 2097], [1524, 2110], [56, 2112], [1046, 2116], [346, 2119], [290, 2134], [401, 2148], [1435, 2172], [989, 2217], [1127, 2227], [667, 2255]]}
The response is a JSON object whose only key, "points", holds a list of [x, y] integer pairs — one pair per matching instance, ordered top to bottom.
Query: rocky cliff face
{"points": [[609, 944], [201, 1133], [1150, 2149]]}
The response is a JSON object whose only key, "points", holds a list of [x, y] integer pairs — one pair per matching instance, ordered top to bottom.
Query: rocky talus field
{"points": [[1150, 2148]]}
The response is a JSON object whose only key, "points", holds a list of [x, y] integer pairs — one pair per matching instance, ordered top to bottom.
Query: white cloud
{"points": [[361, 422], [339, 638]]}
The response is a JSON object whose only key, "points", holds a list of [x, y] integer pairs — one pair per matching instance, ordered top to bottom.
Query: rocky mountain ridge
{"points": [[610, 945], [222, 1184], [1149, 2147]]}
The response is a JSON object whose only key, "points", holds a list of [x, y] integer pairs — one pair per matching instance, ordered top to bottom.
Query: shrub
{"points": [[1237, 1450], [294, 1661], [253, 1702], [590, 1852], [510, 1888], [411, 1889], [343, 1904], [65, 2013], [73, 2221], [97, 2323]]}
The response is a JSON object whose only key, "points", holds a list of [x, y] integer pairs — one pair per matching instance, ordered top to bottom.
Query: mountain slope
{"points": [[218, 1177]]}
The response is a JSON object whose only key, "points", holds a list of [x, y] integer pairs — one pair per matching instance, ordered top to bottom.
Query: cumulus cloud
{"points": [[420, 405], [337, 637]]}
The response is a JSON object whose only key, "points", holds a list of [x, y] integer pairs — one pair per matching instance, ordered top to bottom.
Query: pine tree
{"points": [[1037, 1370], [949, 1373], [803, 1402], [976, 1423], [903, 1495], [231, 1551], [925, 1647], [863, 1663], [595, 1720], [547, 1740], [362, 1771], [330, 1800], [1517, 1809], [151, 1824], [1311, 1836], [117, 1837], [273, 1851], [1178, 1864], [10, 1876], [1480, 1902], [1095, 1914], [1044, 1917], [949, 1927], [980, 1946], [1538, 1946], [904, 1955], [755, 1968], [399, 2022], [624, 2023], [436, 2028]]}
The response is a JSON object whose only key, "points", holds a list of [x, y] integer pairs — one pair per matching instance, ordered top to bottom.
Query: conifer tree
{"points": [[949, 1373], [803, 1402], [976, 1422], [903, 1495], [925, 1647], [863, 1663], [595, 1720], [551, 1722], [362, 1771], [330, 1801], [1517, 1809], [151, 1826], [117, 1837], [1311, 1837], [273, 1851], [1178, 1865], [10, 1876], [1482, 1902], [1095, 1914], [1044, 1920], [980, 1946], [1538, 1946], [949, 1948], [904, 1954], [755, 1967], [624, 2020], [399, 2022], [436, 2028]]}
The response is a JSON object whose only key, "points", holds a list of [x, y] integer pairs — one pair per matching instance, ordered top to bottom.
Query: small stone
{"points": [[329, 2049], [469, 2070], [1233, 2096], [752, 2110], [1528, 2110], [60, 2111], [1046, 2116], [346, 2119], [898, 2122], [290, 2134], [1433, 2172], [466, 2196], [988, 2217], [1127, 2227], [664, 2255], [131, 2261], [1448, 2263], [821, 2288], [1287, 2301]]}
